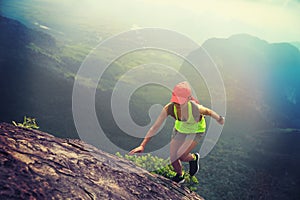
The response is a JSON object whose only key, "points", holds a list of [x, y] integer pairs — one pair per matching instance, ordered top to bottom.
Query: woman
{"points": [[189, 127]]}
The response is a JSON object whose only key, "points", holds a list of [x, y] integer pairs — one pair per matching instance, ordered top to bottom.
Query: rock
{"points": [[36, 165]]}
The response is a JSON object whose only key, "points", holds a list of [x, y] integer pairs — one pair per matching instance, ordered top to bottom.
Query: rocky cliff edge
{"points": [[36, 165]]}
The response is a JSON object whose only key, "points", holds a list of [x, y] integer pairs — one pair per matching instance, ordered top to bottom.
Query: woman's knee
{"points": [[178, 156], [174, 157], [183, 157]]}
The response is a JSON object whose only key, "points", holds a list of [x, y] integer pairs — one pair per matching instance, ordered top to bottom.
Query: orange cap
{"points": [[181, 93]]}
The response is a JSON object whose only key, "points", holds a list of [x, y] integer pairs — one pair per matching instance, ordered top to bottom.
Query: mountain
{"points": [[26, 36], [296, 44], [260, 76], [264, 78], [31, 81], [257, 148], [36, 165]]}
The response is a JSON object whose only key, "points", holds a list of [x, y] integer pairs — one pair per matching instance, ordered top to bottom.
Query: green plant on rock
{"points": [[27, 123], [160, 166]]}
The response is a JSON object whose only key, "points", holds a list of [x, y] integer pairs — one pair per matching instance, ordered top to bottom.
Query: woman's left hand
{"points": [[221, 120]]}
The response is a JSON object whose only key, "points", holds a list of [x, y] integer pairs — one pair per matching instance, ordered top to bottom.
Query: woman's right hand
{"points": [[139, 149]]}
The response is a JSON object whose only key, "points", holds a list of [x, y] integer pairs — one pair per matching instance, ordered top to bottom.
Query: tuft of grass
{"points": [[27, 123]]}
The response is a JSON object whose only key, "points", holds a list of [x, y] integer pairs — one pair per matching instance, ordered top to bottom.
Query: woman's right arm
{"points": [[159, 121]]}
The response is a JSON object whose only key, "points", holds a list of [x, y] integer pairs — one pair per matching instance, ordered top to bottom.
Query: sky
{"points": [[271, 20], [275, 21]]}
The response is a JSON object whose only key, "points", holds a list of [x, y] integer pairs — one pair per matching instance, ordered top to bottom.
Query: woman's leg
{"points": [[189, 144], [175, 145], [180, 147], [185, 150]]}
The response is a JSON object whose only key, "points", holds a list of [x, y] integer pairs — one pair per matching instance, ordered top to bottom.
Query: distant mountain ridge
{"points": [[16, 35], [296, 44], [264, 73], [30, 79]]}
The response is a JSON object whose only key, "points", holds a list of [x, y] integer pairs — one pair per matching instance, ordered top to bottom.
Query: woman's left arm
{"points": [[206, 111]]}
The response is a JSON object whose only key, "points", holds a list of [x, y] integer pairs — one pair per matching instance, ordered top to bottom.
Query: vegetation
{"points": [[27, 123], [157, 165]]}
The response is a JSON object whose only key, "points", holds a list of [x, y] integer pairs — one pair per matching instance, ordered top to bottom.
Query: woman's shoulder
{"points": [[195, 104], [169, 105], [169, 108]]}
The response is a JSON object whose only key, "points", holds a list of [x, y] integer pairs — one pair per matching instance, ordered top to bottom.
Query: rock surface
{"points": [[36, 165]]}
